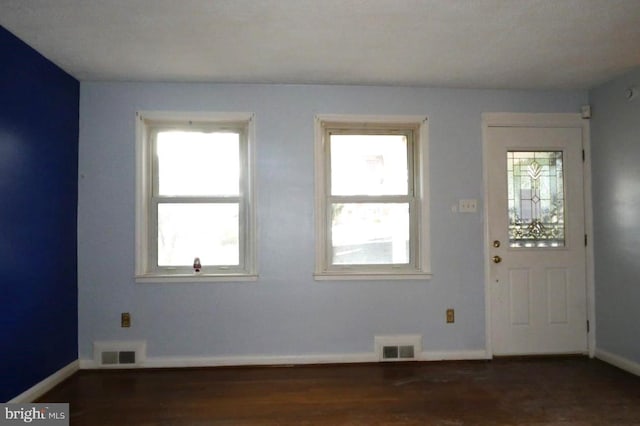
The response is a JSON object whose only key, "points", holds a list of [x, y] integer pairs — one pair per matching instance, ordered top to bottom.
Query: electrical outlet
{"points": [[451, 316], [125, 320]]}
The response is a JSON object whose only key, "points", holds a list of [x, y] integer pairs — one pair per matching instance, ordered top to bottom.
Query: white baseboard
{"points": [[455, 355], [245, 360], [255, 360], [618, 361], [47, 384]]}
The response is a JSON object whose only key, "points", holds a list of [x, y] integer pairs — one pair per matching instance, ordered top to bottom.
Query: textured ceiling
{"points": [[530, 44]]}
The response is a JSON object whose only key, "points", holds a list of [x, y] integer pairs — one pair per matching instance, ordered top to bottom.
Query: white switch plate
{"points": [[468, 205]]}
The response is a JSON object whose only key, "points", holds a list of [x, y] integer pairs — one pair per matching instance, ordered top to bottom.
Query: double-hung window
{"points": [[371, 193], [195, 205]]}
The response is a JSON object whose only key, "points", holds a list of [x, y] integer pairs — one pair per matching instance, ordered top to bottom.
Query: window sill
{"points": [[353, 276], [192, 278]]}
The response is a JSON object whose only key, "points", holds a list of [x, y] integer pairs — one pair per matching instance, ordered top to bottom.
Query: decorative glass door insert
{"points": [[536, 199]]}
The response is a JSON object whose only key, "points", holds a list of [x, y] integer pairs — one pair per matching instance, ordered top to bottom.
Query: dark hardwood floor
{"points": [[529, 391]]}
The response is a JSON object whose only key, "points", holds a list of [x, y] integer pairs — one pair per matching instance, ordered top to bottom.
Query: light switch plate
{"points": [[469, 205]]}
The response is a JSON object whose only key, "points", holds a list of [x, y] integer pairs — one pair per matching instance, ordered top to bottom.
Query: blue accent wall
{"points": [[39, 109], [615, 136]]}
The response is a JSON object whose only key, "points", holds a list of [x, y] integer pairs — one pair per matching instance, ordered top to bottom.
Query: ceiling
{"points": [[525, 44]]}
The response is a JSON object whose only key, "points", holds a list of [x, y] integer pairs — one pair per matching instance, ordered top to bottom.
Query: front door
{"points": [[537, 256]]}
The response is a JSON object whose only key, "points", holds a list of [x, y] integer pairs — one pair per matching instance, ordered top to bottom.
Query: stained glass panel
{"points": [[536, 199]]}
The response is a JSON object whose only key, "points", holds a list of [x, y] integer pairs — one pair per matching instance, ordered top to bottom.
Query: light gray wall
{"points": [[615, 136], [286, 312]]}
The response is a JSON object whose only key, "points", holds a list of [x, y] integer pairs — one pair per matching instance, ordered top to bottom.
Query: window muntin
{"points": [[372, 197], [195, 198]]}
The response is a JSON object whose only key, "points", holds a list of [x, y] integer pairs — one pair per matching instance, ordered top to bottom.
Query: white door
{"points": [[537, 255]]}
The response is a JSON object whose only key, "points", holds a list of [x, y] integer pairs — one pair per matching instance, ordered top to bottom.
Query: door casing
{"points": [[541, 120]]}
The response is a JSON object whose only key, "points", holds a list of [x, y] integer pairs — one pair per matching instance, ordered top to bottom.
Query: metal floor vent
{"points": [[398, 348], [398, 352], [118, 354], [118, 357]]}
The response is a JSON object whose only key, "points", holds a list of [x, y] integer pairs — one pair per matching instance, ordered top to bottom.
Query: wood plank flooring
{"points": [[529, 391]]}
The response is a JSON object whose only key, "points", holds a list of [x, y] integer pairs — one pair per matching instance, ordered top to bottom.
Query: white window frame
{"points": [[146, 221], [420, 264]]}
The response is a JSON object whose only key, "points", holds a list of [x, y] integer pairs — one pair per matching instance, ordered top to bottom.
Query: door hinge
{"points": [[583, 156], [585, 240], [588, 327]]}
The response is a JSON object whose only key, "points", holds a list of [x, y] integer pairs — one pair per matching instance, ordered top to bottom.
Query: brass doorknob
{"points": [[497, 259]]}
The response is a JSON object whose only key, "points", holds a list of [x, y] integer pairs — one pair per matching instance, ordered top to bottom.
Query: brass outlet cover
{"points": [[451, 316], [125, 320]]}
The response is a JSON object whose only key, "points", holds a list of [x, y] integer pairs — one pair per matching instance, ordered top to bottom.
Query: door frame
{"points": [[541, 120]]}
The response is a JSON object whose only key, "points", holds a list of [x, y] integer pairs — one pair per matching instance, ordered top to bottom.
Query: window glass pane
{"points": [[198, 163], [369, 165], [536, 199], [208, 231], [370, 233]]}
